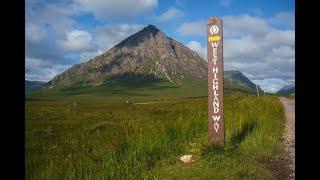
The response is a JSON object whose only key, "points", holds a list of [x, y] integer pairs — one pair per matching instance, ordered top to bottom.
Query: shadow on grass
{"points": [[240, 136], [235, 140], [215, 149]]}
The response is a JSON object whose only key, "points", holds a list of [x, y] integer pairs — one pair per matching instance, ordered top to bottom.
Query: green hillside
{"points": [[133, 90]]}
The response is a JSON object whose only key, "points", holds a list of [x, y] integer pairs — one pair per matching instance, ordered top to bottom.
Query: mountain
{"points": [[147, 55], [143, 58], [236, 81], [33, 85], [289, 89]]}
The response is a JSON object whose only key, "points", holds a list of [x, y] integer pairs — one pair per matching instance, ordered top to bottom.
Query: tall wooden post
{"points": [[215, 81]]}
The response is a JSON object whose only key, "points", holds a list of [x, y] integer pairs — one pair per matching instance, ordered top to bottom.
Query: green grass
{"points": [[133, 91], [289, 96], [105, 138]]}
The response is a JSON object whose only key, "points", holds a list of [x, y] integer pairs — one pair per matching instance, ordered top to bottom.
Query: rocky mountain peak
{"points": [[151, 28], [149, 32], [147, 54]]}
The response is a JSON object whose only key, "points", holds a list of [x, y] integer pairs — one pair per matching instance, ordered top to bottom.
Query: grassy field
{"points": [[103, 137]]}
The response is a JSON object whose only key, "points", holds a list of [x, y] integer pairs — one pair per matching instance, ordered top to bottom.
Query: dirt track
{"points": [[289, 135], [283, 165]]}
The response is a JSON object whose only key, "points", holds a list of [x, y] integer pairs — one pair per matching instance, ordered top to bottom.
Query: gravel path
{"points": [[289, 135], [283, 165]]}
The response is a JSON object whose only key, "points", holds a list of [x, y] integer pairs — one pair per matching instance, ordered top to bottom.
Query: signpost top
{"points": [[213, 19]]}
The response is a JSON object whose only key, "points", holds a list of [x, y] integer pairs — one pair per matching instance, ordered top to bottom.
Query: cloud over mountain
{"points": [[116, 9], [171, 14], [77, 41], [253, 45]]}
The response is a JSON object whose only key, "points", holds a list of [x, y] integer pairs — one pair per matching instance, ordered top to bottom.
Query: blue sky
{"points": [[259, 36]]}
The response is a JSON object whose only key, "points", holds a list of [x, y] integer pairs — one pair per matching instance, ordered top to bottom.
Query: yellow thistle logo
{"points": [[214, 38]]}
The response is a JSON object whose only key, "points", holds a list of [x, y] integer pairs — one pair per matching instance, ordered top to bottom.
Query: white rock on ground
{"points": [[186, 159]]}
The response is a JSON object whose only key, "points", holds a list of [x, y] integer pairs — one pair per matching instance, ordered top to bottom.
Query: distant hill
{"points": [[236, 81], [33, 85], [289, 89]]}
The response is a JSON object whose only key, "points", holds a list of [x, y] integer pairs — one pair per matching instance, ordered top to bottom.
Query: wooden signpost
{"points": [[215, 81]]}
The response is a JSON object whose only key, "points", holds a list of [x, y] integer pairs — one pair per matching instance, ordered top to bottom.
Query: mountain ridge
{"points": [[145, 57], [234, 80], [33, 85], [289, 89]]}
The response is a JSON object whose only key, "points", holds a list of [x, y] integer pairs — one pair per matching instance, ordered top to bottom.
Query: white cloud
{"points": [[104, 9], [170, 14], [55, 16], [284, 18], [245, 25], [232, 26], [193, 28], [34, 32], [283, 37], [77, 41], [251, 45], [196, 46], [242, 48], [283, 51], [264, 52], [85, 56], [35, 63], [42, 70], [45, 74], [272, 84]]}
